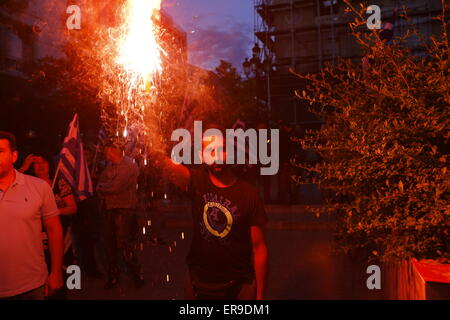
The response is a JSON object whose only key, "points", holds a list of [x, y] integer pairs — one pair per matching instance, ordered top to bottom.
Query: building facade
{"points": [[29, 31]]}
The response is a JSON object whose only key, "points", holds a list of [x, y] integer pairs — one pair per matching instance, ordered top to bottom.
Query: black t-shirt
{"points": [[221, 248]]}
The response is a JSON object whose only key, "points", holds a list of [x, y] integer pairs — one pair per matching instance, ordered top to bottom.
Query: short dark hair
{"points": [[11, 139], [115, 143]]}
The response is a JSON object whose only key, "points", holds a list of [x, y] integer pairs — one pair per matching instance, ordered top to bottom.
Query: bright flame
{"points": [[139, 51], [131, 69]]}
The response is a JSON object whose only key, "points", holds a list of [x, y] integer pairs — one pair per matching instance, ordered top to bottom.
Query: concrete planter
{"points": [[417, 280]]}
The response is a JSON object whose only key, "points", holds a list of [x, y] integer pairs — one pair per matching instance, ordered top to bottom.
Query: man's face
{"points": [[215, 152], [7, 158]]}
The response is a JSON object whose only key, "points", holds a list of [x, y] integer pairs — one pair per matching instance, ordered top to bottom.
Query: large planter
{"points": [[417, 280]]}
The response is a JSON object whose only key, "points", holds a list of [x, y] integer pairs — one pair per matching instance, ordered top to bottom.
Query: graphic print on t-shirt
{"points": [[218, 217]]}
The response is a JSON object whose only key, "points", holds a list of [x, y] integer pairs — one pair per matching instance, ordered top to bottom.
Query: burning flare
{"points": [[139, 53], [131, 69]]}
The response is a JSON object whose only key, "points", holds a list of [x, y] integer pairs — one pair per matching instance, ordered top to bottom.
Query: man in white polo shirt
{"points": [[26, 203]]}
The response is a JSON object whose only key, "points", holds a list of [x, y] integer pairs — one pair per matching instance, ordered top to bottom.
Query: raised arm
{"points": [[178, 174]]}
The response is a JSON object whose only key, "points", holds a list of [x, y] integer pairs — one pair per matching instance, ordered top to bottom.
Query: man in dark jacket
{"points": [[117, 188]]}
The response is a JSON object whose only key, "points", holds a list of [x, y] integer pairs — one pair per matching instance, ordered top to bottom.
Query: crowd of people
{"points": [[44, 228]]}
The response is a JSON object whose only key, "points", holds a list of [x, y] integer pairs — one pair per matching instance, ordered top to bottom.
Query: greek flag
{"points": [[72, 164]]}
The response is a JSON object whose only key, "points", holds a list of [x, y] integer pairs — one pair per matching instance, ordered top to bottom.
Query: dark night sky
{"points": [[216, 29]]}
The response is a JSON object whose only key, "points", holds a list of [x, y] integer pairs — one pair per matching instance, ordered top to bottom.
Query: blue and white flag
{"points": [[72, 164]]}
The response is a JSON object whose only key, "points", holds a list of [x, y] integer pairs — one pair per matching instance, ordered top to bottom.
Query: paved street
{"points": [[302, 262]]}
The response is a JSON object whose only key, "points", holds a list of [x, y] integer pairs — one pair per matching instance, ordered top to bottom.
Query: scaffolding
{"points": [[266, 28], [303, 35], [281, 83]]}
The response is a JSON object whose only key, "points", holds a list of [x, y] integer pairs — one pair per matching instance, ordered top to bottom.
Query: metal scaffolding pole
{"points": [[319, 35], [292, 36], [333, 48], [268, 57]]}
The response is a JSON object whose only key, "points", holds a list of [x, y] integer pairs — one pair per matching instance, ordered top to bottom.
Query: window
{"points": [[328, 7], [12, 48]]}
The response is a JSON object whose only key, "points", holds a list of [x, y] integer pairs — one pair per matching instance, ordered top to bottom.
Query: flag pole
{"points": [[59, 156], [94, 161], [56, 173]]}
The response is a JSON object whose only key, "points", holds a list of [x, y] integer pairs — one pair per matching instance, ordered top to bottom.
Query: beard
{"points": [[217, 169], [4, 171]]}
